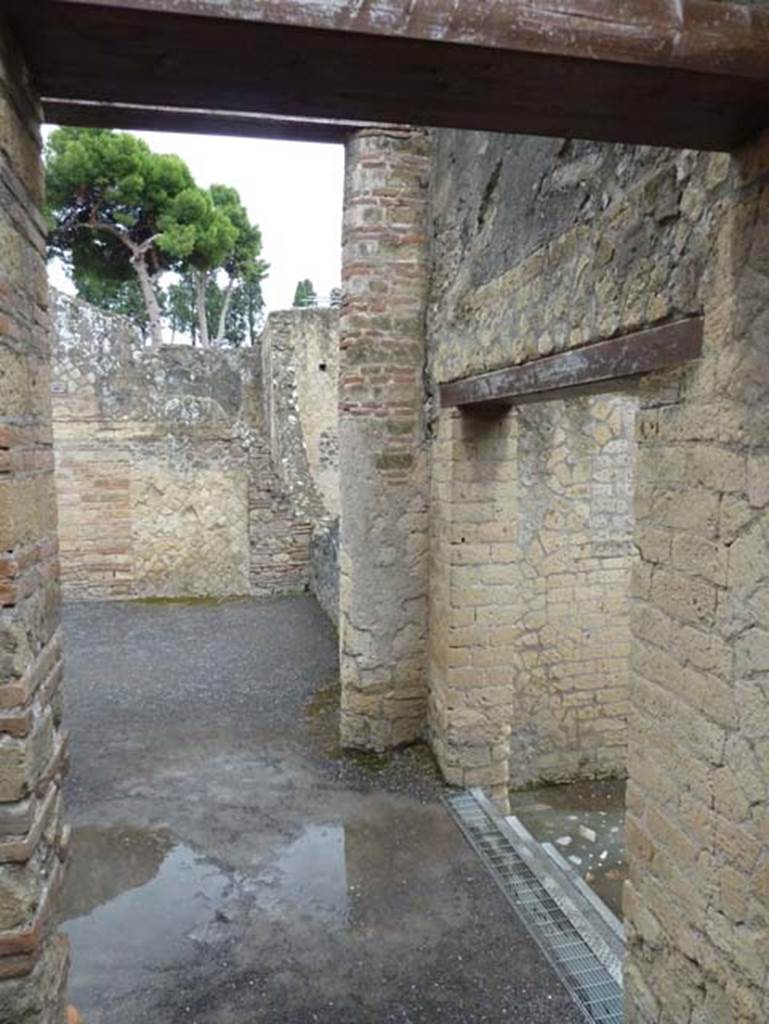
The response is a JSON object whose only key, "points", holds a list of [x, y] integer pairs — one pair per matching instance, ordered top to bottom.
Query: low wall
{"points": [[163, 469]]}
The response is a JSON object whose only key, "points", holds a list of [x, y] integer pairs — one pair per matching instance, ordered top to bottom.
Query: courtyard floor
{"points": [[231, 866]]}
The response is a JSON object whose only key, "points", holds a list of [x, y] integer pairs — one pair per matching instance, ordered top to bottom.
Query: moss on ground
{"points": [[322, 714]]}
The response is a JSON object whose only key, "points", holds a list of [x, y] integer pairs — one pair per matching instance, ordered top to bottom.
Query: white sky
{"points": [[292, 190]]}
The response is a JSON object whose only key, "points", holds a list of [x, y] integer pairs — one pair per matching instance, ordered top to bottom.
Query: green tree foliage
{"points": [[114, 210], [121, 216], [217, 235], [208, 236], [244, 269], [305, 294], [181, 312], [246, 316]]}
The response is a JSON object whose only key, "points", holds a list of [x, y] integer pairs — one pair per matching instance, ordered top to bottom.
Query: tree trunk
{"points": [[150, 298], [200, 301], [224, 313]]}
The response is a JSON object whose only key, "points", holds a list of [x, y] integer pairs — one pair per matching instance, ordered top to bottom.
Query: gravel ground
{"points": [[232, 866]]}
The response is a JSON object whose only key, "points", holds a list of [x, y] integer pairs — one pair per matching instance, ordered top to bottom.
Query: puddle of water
{"points": [[585, 821], [106, 862], [309, 874], [134, 901], [146, 912]]}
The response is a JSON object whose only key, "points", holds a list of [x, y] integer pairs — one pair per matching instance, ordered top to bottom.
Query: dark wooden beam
{"points": [[698, 35], [608, 70], [90, 114], [657, 348]]}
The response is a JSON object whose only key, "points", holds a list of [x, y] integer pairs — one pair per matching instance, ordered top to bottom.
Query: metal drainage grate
{"points": [[583, 944]]}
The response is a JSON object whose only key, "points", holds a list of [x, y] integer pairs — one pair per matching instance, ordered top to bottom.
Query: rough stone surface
{"points": [[540, 244], [300, 371], [300, 375], [383, 461], [165, 480], [324, 568], [32, 745], [697, 827]]}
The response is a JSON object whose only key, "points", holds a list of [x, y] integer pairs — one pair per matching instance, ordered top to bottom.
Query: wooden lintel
{"points": [[700, 35], [588, 69], [630, 355]]}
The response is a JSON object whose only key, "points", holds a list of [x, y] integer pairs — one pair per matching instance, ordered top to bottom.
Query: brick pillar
{"points": [[383, 556], [476, 598], [697, 904], [33, 958]]}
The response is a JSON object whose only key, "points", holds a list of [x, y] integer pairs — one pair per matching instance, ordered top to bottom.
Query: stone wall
{"points": [[543, 245], [300, 370], [164, 475], [324, 568], [530, 588], [698, 797], [33, 958]]}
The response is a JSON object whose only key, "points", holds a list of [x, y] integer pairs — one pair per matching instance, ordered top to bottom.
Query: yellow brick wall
{"points": [[530, 586]]}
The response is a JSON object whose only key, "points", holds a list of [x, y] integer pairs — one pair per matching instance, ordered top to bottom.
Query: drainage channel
{"points": [[578, 934]]}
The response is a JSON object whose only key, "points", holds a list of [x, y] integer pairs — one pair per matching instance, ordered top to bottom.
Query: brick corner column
{"points": [[383, 461], [33, 958]]}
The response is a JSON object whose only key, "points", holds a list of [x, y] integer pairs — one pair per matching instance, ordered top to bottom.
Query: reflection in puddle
{"points": [[585, 822], [105, 862], [311, 873], [136, 901]]}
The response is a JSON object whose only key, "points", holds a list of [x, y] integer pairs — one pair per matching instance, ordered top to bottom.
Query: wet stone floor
{"points": [[585, 821], [231, 866]]}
